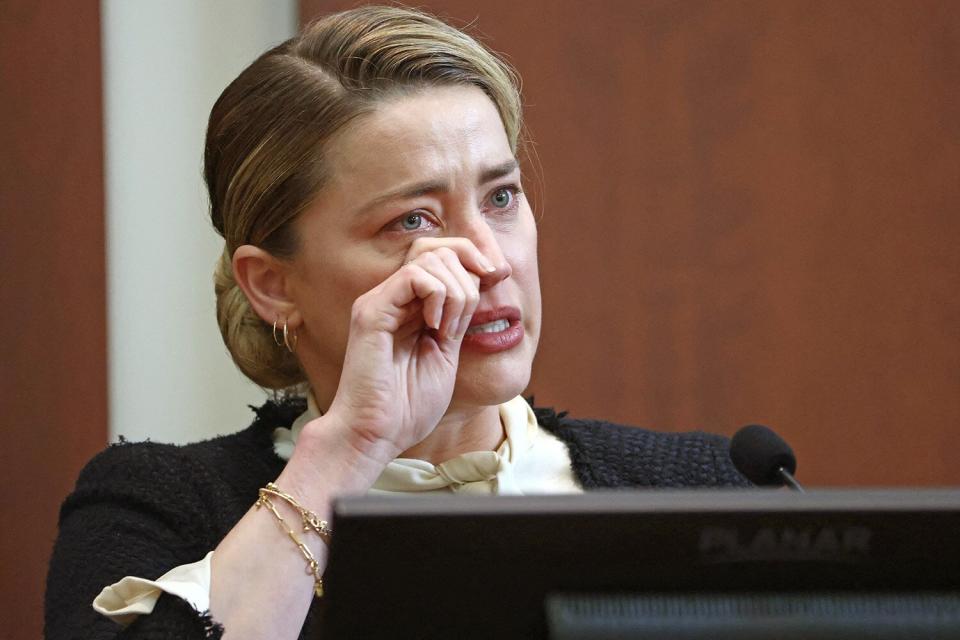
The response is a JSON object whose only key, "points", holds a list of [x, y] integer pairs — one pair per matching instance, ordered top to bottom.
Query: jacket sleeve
{"points": [[135, 511]]}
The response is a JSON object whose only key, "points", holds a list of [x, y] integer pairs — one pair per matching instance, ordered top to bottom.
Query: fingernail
{"points": [[486, 264], [464, 325], [453, 333]]}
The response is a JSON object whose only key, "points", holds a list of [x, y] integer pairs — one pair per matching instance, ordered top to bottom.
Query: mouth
{"points": [[490, 327], [494, 330]]}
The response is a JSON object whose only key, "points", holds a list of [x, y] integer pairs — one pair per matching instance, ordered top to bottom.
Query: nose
{"points": [[483, 237]]}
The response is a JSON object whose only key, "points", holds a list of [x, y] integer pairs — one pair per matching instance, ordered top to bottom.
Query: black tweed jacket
{"points": [[142, 509]]}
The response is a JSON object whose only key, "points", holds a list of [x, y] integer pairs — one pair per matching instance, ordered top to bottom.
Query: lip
{"points": [[510, 314], [499, 341]]}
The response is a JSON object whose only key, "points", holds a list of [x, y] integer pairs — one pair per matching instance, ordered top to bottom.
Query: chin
{"points": [[491, 379]]}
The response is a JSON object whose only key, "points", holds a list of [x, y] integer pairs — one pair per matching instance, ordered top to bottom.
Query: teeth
{"points": [[491, 327]]}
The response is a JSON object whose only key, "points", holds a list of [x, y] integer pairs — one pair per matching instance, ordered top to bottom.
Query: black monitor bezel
{"points": [[436, 566]]}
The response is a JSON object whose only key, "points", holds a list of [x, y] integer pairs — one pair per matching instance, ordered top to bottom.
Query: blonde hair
{"points": [[265, 148]]}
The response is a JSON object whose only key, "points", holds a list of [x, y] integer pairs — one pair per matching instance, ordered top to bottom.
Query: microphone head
{"points": [[758, 453]]}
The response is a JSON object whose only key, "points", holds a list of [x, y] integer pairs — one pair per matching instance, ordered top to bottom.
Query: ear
{"points": [[263, 279]]}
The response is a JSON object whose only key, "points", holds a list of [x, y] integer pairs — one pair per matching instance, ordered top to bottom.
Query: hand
{"points": [[404, 346]]}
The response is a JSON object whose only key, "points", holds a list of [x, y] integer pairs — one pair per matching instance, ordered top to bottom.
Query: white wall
{"points": [[165, 62]]}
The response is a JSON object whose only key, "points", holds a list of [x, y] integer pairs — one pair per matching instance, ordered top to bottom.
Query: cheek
{"points": [[520, 249], [353, 266], [331, 286]]}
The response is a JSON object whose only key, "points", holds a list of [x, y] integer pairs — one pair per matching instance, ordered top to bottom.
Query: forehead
{"points": [[433, 133]]}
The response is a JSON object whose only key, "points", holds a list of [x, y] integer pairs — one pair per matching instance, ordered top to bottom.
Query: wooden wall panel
{"points": [[749, 215], [52, 283]]}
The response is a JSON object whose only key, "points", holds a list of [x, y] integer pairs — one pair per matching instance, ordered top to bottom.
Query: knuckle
{"points": [[446, 254], [431, 258], [413, 270], [359, 311]]}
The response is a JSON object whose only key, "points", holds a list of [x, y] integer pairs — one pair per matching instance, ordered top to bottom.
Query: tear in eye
{"points": [[412, 222]]}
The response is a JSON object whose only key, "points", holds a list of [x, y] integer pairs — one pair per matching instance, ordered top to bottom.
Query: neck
{"points": [[460, 431]]}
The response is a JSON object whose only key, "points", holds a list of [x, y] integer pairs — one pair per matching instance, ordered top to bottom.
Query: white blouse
{"points": [[529, 461]]}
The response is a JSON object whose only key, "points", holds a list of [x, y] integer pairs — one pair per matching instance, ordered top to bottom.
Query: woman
{"points": [[381, 255]]}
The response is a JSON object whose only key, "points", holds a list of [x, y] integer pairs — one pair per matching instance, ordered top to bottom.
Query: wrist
{"points": [[329, 453]]}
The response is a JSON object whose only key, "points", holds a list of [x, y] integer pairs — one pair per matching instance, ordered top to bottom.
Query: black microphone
{"points": [[764, 457]]}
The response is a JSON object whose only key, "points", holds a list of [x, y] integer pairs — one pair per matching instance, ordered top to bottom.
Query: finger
{"points": [[470, 256], [441, 264], [470, 285], [431, 290], [389, 304]]}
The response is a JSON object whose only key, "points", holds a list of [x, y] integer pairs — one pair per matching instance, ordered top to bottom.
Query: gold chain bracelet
{"points": [[310, 522]]}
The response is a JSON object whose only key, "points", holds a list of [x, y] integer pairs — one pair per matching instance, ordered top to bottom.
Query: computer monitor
{"points": [[581, 566]]}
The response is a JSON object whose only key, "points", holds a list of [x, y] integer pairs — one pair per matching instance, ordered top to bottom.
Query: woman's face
{"points": [[433, 164]]}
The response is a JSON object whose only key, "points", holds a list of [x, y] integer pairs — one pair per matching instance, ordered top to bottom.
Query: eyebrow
{"points": [[435, 186]]}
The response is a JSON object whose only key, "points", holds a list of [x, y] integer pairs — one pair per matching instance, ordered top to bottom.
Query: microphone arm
{"points": [[789, 480]]}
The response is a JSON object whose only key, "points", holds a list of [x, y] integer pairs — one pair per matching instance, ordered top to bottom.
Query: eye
{"points": [[502, 197], [411, 222]]}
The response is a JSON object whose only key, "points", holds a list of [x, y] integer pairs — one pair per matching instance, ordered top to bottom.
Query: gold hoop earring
{"points": [[275, 337], [286, 338]]}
